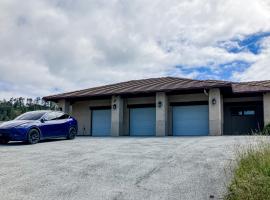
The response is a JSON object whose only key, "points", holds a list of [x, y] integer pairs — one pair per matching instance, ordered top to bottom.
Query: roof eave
{"points": [[250, 92], [60, 97]]}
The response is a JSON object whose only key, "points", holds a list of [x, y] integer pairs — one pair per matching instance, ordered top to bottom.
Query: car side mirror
{"points": [[42, 120]]}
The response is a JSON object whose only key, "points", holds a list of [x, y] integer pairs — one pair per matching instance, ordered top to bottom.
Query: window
{"points": [[243, 111], [236, 112], [249, 112]]}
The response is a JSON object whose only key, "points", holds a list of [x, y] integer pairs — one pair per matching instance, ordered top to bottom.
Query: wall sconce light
{"points": [[214, 101], [160, 104], [114, 106]]}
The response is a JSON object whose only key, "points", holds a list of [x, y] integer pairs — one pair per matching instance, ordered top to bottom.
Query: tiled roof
{"points": [[265, 83], [161, 84], [253, 86]]}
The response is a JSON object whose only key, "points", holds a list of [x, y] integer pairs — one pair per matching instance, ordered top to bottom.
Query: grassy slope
{"points": [[251, 179]]}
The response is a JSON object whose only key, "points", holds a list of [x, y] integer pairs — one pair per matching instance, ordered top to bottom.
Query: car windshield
{"points": [[30, 116]]}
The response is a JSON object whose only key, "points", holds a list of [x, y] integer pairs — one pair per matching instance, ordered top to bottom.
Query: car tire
{"points": [[72, 133], [33, 136], [4, 141]]}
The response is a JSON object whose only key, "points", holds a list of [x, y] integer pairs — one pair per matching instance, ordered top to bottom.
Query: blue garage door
{"points": [[190, 120], [143, 121], [101, 122]]}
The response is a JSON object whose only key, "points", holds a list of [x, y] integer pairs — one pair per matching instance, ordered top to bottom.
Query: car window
{"points": [[61, 115], [30, 116], [50, 116], [56, 116], [64, 116]]}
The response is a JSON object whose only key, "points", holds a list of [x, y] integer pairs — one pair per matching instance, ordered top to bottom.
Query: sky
{"points": [[54, 46]]}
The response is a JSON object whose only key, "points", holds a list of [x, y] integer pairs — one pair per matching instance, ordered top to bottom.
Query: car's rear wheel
{"points": [[72, 133], [33, 136], [4, 141]]}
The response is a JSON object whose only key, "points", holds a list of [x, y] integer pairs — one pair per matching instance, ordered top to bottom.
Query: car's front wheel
{"points": [[72, 133], [33, 136], [4, 141]]}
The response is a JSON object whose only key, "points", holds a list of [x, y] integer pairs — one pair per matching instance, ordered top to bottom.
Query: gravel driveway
{"points": [[117, 168]]}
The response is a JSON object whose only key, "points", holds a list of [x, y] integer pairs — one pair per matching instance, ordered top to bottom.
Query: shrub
{"points": [[266, 130], [252, 175]]}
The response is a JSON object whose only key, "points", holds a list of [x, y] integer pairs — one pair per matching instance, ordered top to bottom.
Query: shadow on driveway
{"points": [[18, 143]]}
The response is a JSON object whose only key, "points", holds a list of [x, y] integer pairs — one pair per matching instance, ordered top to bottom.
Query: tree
{"points": [[29, 102], [16, 106]]}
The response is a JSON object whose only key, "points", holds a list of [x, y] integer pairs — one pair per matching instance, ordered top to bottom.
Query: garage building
{"points": [[169, 106]]}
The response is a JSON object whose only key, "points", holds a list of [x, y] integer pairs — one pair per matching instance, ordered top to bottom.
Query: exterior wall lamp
{"points": [[214, 101], [160, 104]]}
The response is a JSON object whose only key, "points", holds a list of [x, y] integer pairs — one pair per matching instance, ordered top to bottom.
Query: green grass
{"points": [[251, 177]]}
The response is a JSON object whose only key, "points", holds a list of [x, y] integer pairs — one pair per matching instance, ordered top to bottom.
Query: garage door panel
{"points": [[243, 118], [191, 120], [142, 121], [101, 122], [191, 124]]}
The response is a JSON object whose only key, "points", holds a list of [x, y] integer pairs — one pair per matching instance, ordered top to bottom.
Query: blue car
{"points": [[34, 126]]}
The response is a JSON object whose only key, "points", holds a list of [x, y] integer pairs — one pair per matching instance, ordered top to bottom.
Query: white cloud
{"points": [[70, 44], [260, 70]]}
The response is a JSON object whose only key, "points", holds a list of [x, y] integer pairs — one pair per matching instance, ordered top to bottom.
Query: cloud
{"points": [[251, 43], [61, 45], [260, 70]]}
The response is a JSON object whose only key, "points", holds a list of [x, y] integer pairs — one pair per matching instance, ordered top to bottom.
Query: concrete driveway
{"points": [[117, 168]]}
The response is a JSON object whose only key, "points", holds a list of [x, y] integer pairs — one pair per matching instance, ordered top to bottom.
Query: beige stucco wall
{"points": [[187, 98], [141, 100], [61, 104], [65, 106], [266, 110], [81, 111], [215, 112], [161, 114], [117, 116], [120, 117], [125, 119]]}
